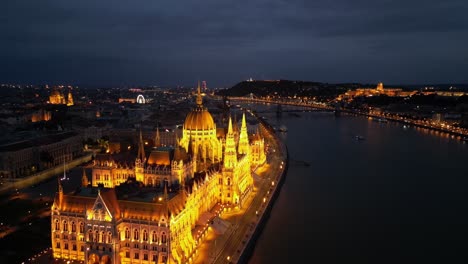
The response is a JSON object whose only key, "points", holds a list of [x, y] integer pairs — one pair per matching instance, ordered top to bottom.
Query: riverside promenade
{"points": [[231, 237]]}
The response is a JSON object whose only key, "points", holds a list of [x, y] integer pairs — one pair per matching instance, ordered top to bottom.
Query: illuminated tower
{"points": [[70, 99], [243, 137], [157, 139], [230, 154], [140, 161], [84, 179], [229, 187]]}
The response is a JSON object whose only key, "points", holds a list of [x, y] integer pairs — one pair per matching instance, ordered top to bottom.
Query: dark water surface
{"points": [[398, 196]]}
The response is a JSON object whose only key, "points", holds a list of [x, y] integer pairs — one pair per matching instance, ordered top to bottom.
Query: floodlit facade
{"points": [[150, 211]]}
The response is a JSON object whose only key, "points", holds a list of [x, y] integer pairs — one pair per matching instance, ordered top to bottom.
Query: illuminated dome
{"points": [[199, 119]]}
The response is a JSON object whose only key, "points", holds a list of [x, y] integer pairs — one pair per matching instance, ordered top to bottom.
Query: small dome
{"points": [[199, 119]]}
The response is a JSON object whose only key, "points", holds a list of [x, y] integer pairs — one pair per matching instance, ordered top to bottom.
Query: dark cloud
{"points": [[178, 42]]}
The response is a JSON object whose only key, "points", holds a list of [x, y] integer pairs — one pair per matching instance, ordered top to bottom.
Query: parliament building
{"points": [[150, 210]]}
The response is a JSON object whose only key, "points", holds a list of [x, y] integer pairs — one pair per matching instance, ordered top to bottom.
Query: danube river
{"points": [[399, 195]]}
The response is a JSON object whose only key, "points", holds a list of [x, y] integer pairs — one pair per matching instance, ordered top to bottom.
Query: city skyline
{"points": [[90, 43]]}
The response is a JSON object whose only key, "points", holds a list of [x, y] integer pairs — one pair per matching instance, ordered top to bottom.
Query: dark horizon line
{"points": [[110, 85]]}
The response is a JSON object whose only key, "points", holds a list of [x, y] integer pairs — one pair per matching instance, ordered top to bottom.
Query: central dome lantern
{"points": [[199, 118]]}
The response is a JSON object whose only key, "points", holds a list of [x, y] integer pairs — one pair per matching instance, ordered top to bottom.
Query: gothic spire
{"points": [[244, 125], [230, 126], [157, 140], [141, 148], [84, 179]]}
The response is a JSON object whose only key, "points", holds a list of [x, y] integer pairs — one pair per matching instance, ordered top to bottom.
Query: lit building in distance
{"points": [[379, 90], [57, 97], [150, 210]]}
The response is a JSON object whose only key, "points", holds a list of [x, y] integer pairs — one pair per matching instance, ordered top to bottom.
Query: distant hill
{"points": [[287, 88]]}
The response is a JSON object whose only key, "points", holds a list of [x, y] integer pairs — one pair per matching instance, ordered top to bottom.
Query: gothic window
{"points": [[228, 181], [57, 225], [65, 226], [73, 226], [127, 233], [136, 234], [90, 235], [145, 235], [96, 236], [103, 237], [109, 237], [155, 237], [163, 237]]}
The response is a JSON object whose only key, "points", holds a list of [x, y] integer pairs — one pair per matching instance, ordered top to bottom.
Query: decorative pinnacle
{"points": [[230, 126]]}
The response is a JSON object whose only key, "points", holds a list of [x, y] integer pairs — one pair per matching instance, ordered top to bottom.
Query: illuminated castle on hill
{"points": [[150, 211]]}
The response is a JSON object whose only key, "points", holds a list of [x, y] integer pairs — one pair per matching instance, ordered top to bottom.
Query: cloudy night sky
{"points": [[162, 42]]}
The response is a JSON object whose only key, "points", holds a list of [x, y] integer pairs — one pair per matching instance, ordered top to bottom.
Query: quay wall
{"points": [[264, 215]]}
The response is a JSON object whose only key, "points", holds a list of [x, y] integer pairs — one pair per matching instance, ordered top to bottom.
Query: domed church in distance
{"points": [[149, 210]]}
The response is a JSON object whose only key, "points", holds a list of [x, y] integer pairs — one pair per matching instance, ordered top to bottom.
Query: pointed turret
{"points": [[70, 99], [230, 126], [243, 137], [157, 139], [141, 149], [230, 153], [84, 179]]}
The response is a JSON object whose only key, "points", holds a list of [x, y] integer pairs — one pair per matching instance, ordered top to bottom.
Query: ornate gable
{"points": [[100, 210]]}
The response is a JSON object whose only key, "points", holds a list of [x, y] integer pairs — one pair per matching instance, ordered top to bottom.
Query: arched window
{"points": [[220, 181], [228, 181], [57, 225], [65, 226], [73, 226], [81, 228], [127, 233], [136, 234], [90, 235], [145, 235], [96, 236], [103, 237], [109, 237], [155, 237], [163, 237]]}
